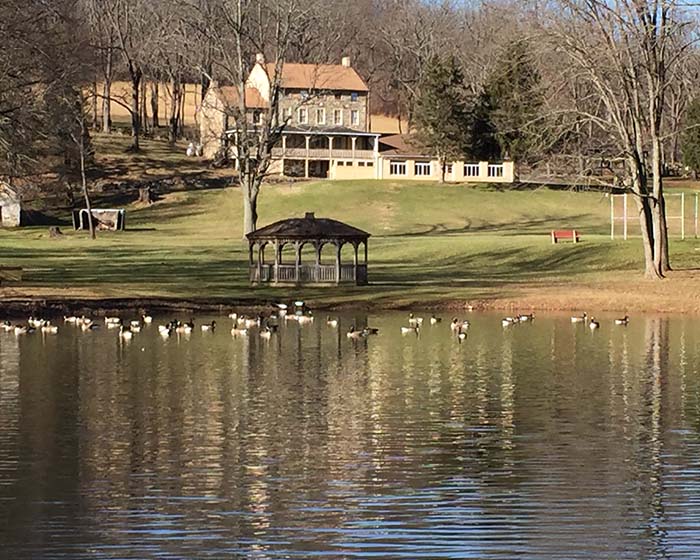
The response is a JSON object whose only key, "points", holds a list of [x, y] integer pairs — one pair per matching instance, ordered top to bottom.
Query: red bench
{"points": [[565, 235]]}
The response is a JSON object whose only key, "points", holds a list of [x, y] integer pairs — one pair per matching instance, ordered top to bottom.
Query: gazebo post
{"points": [[251, 244], [318, 245], [338, 248], [261, 258], [277, 259], [354, 262], [297, 267]]}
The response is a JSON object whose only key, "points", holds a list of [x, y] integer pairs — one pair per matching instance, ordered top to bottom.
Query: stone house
{"points": [[327, 132], [10, 206]]}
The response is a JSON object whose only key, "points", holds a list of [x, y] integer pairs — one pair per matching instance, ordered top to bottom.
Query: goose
{"points": [[233, 316], [291, 318], [526, 318], [579, 318], [70, 319], [147, 319], [305, 319], [412, 320], [435, 320], [112, 321], [508, 321], [624, 321], [35, 322], [331, 322], [250, 323], [457, 324], [593, 324], [115, 325], [7, 326], [88, 326], [135, 326], [211, 327], [48, 328], [185, 328], [24, 329], [413, 329], [165, 331], [235, 331], [370, 331], [266, 332], [125, 333], [353, 333], [461, 335]]}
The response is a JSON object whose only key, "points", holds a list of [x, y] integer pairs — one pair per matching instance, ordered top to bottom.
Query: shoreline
{"points": [[677, 295]]}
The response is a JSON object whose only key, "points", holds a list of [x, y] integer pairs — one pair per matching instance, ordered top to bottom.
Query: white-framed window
{"points": [[354, 96], [287, 114], [303, 115], [321, 116], [337, 116], [354, 117], [257, 118], [340, 163], [370, 164], [397, 167], [422, 169], [448, 169], [471, 169], [495, 171]]}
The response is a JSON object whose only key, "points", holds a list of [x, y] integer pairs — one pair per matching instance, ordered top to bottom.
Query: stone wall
{"points": [[293, 100]]}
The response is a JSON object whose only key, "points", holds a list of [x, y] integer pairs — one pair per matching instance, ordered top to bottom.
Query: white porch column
{"points": [[354, 140], [284, 145], [330, 147], [306, 160], [378, 173]]}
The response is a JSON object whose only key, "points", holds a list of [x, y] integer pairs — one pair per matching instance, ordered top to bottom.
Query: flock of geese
{"points": [[266, 326]]}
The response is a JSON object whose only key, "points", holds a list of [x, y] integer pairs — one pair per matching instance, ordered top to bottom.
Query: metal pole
{"points": [[624, 205], [696, 215], [612, 216], [682, 216]]}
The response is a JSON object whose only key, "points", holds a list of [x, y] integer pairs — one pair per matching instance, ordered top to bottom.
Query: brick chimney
{"points": [[260, 58], [345, 61], [309, 216]]}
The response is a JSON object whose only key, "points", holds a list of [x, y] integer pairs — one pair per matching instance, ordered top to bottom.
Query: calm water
{"points": [[540, 441]]}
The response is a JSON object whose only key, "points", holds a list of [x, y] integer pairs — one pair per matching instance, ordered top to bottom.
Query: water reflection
{"points": [[543, 440]]}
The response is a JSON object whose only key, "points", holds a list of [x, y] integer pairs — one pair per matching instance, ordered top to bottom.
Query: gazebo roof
{"points": [[309, 227]]}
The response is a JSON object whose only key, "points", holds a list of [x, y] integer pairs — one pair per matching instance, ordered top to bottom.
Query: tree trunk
{"points": [[135, 74], [107, 94], [154, 104], [144, 106], [174, 109], [95, 124], [86, 195], [250, 203], [661, 256]]}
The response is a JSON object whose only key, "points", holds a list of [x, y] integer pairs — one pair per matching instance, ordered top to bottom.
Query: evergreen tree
{"points": [[515, 101], [443, 113], [690, 141]]}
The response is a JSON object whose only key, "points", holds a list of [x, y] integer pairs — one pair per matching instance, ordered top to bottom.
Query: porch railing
{"points": [[308, 274]]}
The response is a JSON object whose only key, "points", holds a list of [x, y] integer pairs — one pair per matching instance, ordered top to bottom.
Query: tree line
{"points": [[594, 83]]}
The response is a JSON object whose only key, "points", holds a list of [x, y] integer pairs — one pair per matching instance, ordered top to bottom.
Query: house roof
{"points": [[319, 77], [253, 99], [399, 145], [309, 227]]}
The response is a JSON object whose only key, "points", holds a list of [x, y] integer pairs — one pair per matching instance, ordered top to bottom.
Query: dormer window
{"points": [[304, 95], [354, 96]]}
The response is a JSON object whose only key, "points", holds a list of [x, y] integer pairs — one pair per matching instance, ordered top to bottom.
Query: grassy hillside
{"points": [[431, 244]]}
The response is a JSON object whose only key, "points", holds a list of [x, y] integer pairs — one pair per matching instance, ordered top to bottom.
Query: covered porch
{"points": [[304, 264]]}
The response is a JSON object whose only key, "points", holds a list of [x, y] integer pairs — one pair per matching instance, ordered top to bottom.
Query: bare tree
{"points": [[624, 50]]}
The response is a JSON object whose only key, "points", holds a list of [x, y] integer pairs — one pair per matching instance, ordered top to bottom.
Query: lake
{"points": [[540, 440]]}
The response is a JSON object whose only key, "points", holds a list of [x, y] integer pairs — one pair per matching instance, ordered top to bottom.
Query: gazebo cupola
{"points": [[299, 232]]}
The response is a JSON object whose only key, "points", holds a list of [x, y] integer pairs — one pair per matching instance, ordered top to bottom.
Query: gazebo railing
{"points": [[308, 273]]}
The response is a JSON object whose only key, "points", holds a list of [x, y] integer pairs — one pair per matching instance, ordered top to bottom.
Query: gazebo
{"points": [[299, 232]]}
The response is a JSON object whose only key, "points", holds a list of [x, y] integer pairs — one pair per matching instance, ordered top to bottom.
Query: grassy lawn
{"points": [[431, 244]]}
